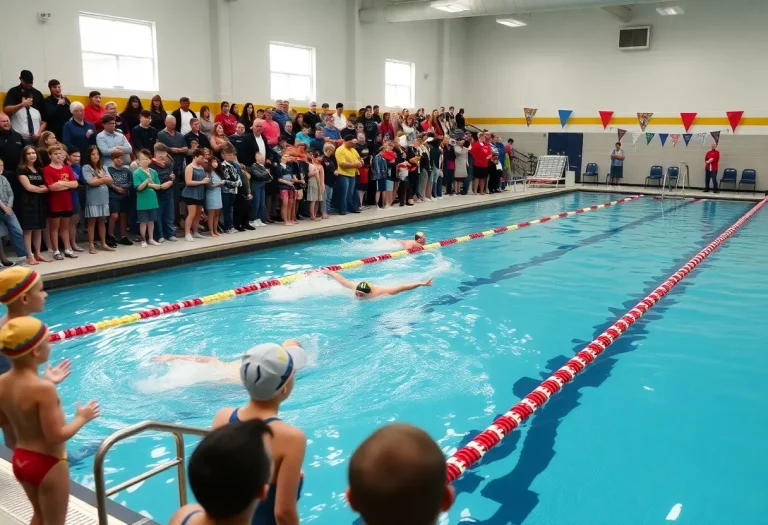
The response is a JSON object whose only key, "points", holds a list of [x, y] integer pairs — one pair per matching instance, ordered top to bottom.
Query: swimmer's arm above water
{"points": [[345, 282], [394, 290]]}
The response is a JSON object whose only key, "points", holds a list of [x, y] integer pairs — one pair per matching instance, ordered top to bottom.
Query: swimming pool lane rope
{"points": [[263, 285], [473, 451]]}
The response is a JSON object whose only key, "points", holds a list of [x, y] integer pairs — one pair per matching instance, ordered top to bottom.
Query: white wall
{"points": [[52, 50], [709, 60]]}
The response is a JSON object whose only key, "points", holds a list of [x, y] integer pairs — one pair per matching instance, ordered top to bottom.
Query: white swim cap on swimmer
{"points": [[266, 368]]}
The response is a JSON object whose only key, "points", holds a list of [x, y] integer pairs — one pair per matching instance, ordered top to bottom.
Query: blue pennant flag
{"points": [[565, 114], [663, 137], [687, 137]]}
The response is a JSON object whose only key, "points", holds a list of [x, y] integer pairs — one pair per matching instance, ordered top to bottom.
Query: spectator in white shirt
{"points": [[339, 120], [27, 121]]}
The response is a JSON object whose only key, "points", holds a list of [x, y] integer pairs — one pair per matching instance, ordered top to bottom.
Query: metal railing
{"points": [[178, 431]]}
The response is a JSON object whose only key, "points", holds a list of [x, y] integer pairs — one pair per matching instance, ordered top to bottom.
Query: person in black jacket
{"points": [[183, 106], [57, 111], [460, 123], [144, 136], [253, 143]]}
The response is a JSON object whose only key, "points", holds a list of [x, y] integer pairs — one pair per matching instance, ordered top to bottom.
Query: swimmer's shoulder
{"points": [[222, 417], [184, 512]]}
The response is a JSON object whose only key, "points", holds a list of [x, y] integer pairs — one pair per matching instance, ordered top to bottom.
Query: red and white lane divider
{"points": [[256, 287], [473, 451]]}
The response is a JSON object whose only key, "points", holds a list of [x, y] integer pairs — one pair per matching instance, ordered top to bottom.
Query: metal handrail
{"points": [[178, 431]]}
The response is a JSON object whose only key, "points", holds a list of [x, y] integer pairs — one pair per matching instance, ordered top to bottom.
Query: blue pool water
{"points": [[670, 417]]}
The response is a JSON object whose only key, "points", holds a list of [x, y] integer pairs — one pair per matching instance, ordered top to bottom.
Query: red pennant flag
{"points": [[606, 117], [734, 117], [688, 119]]}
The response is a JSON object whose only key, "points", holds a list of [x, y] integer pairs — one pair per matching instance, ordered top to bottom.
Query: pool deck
{"points": [[691, 193], [124, 261], [15, 508]]}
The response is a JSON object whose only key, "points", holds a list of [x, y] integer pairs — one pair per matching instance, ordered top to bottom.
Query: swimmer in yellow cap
{"points": [[418, 240], [21, 290], [365, 290], [32, 408]]}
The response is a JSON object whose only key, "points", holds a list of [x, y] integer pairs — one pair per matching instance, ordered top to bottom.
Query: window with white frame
{"points": [[118, 53], [291, 71], [399, 80]]}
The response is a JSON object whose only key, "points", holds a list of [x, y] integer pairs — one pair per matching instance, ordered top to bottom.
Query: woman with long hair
{"points": [[235, 111], [132, 112], [158, 113], [248, 116], [227, 119], [298, 123], [206, 125], [409, 128], [218, 139], [46, 140], [194, 194], [96, 198], [213, 203], [31, 204]]}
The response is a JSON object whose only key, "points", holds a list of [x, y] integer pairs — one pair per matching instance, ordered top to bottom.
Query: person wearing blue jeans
{"points": [[348, 161], [10, 220], [166, 220]]}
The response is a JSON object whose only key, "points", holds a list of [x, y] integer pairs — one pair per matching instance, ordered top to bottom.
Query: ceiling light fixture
{"points": [[449, 6], [669, 11], [510, 22]]}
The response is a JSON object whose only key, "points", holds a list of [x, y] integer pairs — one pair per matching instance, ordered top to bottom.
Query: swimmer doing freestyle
{"points": [[418, 240], [364, 290]]}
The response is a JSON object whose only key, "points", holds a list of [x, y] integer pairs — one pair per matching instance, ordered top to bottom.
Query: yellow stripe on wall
{"points": [[627, 121]]}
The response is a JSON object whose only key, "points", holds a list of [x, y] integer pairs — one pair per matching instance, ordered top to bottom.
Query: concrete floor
{"points": [[723, 195], [126, 260]]}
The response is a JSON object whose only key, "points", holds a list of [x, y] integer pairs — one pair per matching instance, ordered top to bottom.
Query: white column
{"points": [[221, 49]]}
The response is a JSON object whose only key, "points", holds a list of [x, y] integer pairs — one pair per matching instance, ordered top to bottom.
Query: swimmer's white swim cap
{"points": [[266, 368]]}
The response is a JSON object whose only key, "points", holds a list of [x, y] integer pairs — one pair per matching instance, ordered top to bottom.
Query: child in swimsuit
{"points": [[21, 290], [268, 373], [32, 407], [229, 472]]}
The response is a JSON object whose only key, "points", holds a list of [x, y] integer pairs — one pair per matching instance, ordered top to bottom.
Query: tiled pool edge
{"points": [[80, 276], [88, 497]]}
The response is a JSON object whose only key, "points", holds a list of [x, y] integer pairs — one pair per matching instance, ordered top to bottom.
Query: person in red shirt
{"points": [[94, 111], [227, 119], [386, 128], [481, 155], [711, 160], [60, 180]]}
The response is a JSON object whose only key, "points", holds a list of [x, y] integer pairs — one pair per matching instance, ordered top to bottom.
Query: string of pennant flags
{"points": [[643, 119]]}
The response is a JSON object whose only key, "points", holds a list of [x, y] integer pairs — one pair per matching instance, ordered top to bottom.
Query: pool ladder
{"points": [[178, 432]]}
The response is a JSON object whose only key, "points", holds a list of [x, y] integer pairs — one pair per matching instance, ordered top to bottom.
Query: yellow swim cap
{"points": [[418, 235], [14, 282], [21, 335]]}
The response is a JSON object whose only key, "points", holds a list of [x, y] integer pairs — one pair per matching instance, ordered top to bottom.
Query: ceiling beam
{"points": [[621, 12]]}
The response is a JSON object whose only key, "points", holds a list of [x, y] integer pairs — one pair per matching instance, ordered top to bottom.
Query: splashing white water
{"points": [[357, 247], [183, 374]]}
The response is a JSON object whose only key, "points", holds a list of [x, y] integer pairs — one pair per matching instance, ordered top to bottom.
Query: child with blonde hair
{"points": [[146, 182]]}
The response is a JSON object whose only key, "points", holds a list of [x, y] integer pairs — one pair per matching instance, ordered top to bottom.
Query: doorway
{"points": [[569, 144]]}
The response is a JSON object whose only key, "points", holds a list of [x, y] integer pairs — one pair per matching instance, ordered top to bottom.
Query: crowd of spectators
{"points": [[136, 176]]}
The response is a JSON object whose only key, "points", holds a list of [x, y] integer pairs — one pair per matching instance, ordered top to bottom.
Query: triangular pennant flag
{"points": [[529, 114], [565, 114], [606, 117], [734, 117], [643, 119], [688, 119], [622, 132], [636, 135], [716, 136], [649, 137], [687, 137], [663, 138], [675, 138], [702, 138]]}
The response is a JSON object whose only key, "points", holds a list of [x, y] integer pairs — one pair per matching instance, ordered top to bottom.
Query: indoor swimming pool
{"points": [[664, 426]]}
